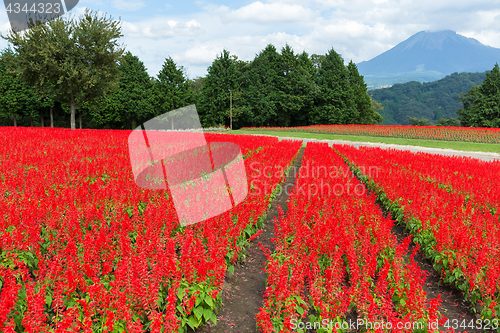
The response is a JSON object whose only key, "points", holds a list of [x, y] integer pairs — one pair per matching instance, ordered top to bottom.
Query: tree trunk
{"points": [[73, 111], [80, 116], [51, 118], [41, 119], [15, 121], [31, 121], [133, 124]]}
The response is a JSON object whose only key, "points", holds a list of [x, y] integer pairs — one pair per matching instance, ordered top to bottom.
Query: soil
{"points": [[242, 293], [453, 305]]}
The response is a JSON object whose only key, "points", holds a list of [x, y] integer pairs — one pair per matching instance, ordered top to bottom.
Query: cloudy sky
{"points": [[193, 33]]}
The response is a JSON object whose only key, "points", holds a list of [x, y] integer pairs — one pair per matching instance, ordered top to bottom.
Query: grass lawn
{"points": [[466, 146]]}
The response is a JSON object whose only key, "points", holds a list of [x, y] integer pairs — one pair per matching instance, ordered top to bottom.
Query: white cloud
{"points": [[128, 5], [268, 13], [161, 28], [357, 29], [200, 55]]}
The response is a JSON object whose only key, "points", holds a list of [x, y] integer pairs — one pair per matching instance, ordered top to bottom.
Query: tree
{"points": [[316, 59], [72, 61], [196, 85], [294, 86], [172, 90], [260, 91], [16, 98], [132, 100], [363, 102], [213, 103], [335, 103], [481, 104], [419, 122], [451, 122]]}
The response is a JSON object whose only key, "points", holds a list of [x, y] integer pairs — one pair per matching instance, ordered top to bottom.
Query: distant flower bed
{"points": [[201, 129], [216, 129], [465, 134]]}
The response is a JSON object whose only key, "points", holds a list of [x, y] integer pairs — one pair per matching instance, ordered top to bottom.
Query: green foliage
{"points": [[316, 59], [73, 61], [195, 85], [294, 85], [275, 89], [172, 90], [260, 92], [16, 98], [336, 99], [131, 100], [431, 100], [213, 102], [364, 103], [481, 104], [419, 122], [452, 122]]}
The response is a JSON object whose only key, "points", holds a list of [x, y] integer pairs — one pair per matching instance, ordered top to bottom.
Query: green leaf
{"points": [[200, 298], [209, 302], [198, 312], [207, 314], [214, 318], [192, 322]]}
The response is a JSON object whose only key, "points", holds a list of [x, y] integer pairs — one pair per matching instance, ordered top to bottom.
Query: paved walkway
{"points": [[450, 152]]}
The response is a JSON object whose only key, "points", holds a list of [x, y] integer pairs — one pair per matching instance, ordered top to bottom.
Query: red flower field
{"points": [[473, 134], [84, 249]]}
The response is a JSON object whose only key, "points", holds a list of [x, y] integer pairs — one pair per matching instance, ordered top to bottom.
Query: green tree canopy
{"points": [[73, 61], [294, 86], [172, 90], [260, 91], [16, 98], [336, 98], [132, 100], [363, 102], [213, 103], [481, 104], [419, 122], [451, 122]]}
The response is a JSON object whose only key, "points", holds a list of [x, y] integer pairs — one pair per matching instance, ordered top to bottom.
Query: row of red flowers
{"points": [[466, 134], [474, 178], [458, 225], [82, 248], [336, 259]]}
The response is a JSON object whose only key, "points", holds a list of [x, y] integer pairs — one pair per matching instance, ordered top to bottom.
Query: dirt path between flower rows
{"points": [[242, 293]]}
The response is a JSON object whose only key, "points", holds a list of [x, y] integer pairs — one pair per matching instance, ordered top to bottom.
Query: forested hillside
{"points": [[431, 100]]}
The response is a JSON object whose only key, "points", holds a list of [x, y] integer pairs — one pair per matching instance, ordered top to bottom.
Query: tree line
{"points": [[75, 68], [285, 89]]}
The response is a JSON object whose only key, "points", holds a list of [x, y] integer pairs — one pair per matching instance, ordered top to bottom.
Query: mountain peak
{"points": [[434, 39], [429, 56]]}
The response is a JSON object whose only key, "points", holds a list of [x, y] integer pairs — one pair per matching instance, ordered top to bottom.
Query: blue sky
{"points": [[193, 33]]}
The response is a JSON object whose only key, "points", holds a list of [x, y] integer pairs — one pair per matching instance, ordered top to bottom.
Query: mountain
{"points": [[428, 56], [431, 100]]}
